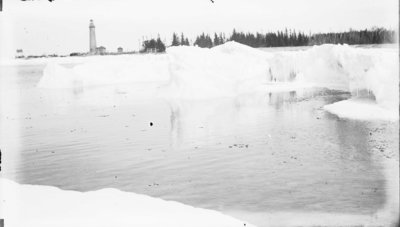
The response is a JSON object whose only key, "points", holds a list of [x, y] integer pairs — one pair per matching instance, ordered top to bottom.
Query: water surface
{"points": [[253, 153]]}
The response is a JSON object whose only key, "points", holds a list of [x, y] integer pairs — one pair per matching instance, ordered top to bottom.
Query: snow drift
{"points": [[232, 69], [34, 205]]}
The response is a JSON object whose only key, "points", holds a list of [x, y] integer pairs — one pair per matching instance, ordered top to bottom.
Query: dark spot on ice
{"points": [[151, 123]]}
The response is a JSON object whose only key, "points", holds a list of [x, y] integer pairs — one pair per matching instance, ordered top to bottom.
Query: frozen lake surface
{"points": [[251, 154]]}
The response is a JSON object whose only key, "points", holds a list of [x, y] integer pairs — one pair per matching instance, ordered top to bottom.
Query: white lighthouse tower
{"points": [[92, 41]]}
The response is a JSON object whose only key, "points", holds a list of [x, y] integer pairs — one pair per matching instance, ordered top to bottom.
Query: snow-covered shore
{"points": [[41, 206]]}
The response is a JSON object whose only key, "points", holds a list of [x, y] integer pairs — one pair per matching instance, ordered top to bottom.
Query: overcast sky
{"points": [[62, 26]]}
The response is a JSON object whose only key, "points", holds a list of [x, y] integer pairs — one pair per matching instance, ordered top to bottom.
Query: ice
{"points": [[343, 67], [234, 69], [97, 71], [223, 71], [56, 76], [361, 109], [34, 205]]}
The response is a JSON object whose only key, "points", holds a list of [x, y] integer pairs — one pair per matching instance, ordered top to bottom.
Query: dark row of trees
{"points": [[373, 36], [287, 37], [293, 38], [182, 41]]}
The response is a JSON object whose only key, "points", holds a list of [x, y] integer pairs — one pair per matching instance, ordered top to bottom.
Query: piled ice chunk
{"points": [[232, 68]]}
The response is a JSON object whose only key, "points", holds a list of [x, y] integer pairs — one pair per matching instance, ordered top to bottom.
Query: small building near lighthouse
{"points": [[101, 50]]}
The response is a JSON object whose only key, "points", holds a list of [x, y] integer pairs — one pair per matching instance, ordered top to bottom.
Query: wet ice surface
{"points": [[266, 153]]}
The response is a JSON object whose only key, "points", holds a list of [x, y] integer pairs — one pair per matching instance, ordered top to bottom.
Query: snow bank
{"points": [[29, 205]]}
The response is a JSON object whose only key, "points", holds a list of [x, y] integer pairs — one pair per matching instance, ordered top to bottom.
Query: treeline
{"points": [[374, 36], [290, 37], [283, 38], [179, 41]]}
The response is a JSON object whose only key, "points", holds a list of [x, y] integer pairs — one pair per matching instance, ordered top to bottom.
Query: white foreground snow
{"points": [[232, 69], [41, 206]]}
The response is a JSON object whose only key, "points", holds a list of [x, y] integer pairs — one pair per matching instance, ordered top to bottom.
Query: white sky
{"points": [[61, 27]]}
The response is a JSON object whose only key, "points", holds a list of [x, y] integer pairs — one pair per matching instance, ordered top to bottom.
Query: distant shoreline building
{"points": [[92, 38], [20, 53]]}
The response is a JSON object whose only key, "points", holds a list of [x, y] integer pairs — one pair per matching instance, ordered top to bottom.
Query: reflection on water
{"points": [[255, 153]]}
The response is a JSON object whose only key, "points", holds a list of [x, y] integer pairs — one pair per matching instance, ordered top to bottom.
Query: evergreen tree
{"points": [[175, 40], [216, 40], [160, 45]]}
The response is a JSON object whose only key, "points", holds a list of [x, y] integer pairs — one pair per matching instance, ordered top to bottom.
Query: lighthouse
{"points": [[92, 41]]}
